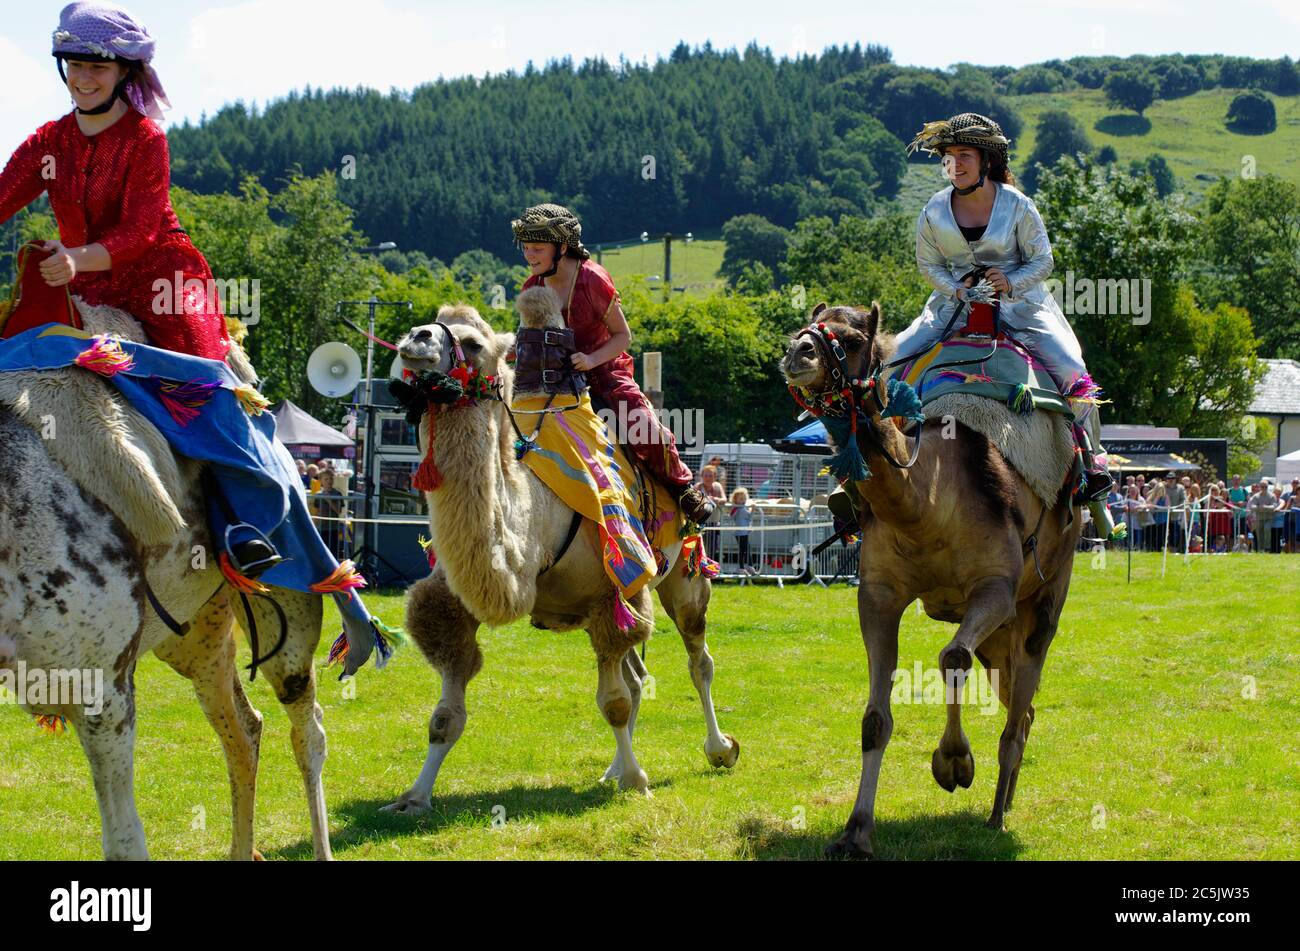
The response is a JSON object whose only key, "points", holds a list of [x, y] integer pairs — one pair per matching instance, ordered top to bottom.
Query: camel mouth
{"points": [[419, 351], [800, 369]]}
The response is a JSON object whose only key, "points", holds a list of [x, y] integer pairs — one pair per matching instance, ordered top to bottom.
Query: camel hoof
{"points": [[724, 759], [953, 771], [638, 781], [406, 806], [996, 824], [845, 848], [257, 856]]}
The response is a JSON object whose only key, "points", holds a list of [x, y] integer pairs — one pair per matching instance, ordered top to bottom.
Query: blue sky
{"points": [[216, 51]]}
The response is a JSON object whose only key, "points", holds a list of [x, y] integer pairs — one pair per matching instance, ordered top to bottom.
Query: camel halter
{"points": [[843, 403]]}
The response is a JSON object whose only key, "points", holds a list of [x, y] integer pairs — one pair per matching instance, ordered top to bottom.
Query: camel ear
{"points": [[819, 308], [873, 319], [505, 341]]}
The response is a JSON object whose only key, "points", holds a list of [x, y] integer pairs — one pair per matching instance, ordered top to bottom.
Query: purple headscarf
{"points": [[107, 31]]}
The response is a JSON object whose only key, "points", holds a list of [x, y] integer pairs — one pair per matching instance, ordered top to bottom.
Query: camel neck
{"points": [[890, 490], [479, 514]]}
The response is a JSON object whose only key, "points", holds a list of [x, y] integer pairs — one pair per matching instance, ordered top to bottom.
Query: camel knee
{"points": [[955, 657], [701, 665], [615, 702], [446, 724], [877, 727]]}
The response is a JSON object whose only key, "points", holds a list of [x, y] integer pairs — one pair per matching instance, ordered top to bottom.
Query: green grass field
{"points": [[695, 264], [1145, 744]]}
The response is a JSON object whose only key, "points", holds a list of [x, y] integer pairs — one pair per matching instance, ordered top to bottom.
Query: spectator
{"points": [[302, 472], [313, 479], [712, 488], [1238, 496], [1159, 503], [1132, 506], [329, 510], [1178, 511], [1259, 511], [742, 515], [1145, 517], [1196, 518], [1218, 518], [1291, 520], [1274, 545], [1241, 546]]}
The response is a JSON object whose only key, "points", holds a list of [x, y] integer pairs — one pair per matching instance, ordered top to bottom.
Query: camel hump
{"points": [[539, 309]]}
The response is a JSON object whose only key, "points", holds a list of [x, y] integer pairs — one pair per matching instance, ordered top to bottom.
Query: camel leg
{"points": [[686, 600], [990, 605], [879, 611], [446, 634], [206, 657], [1026, 668], [634, 674], [292, 675], [613, 696], [108, 739]]}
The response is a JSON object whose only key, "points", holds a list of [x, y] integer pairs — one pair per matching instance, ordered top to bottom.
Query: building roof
{"points": [[1278, 392]]}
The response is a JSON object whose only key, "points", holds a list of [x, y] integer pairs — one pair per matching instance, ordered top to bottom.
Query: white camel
{"points": [[496, 528], [76, 566]]}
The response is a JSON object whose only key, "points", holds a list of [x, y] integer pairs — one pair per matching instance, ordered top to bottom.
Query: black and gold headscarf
{"points": [[967, 128], [549, 224]]}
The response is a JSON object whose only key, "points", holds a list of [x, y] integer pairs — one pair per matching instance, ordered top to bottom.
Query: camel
{"points": [[496, 528], [953, 530], [74, 578]]}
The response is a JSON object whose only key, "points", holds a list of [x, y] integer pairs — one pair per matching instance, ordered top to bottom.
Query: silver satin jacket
{"points": [[1015, 241]]}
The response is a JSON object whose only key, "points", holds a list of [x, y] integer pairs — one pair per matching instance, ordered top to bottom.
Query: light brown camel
{"points": [[496, 528], [952, 531], [73, 579]]}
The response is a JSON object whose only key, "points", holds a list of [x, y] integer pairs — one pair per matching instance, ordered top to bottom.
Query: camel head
{"points": [[858, 332], [428, 347]]}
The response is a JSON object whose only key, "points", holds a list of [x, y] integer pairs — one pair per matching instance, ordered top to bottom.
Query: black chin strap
{"points": [[118, 92], [984, 168], [555, 265]]}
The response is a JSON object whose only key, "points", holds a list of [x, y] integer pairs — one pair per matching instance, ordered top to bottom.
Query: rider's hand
{"points": [[60, 267], [999, 280], [581, 361]]}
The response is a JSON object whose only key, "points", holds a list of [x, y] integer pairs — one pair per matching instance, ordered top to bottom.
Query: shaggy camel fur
{"points": [[496, 528], [952, 531], [72, 595]]}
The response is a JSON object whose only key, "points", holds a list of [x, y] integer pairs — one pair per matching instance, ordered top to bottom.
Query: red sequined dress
{"points": [[112, 188], [592, 296]]}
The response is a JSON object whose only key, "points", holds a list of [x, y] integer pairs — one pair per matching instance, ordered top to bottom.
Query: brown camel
{"points": [[952, 530], [499, 534]]}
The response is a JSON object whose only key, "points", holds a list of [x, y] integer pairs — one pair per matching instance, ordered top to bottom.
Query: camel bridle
{"points": [[846, 396]]}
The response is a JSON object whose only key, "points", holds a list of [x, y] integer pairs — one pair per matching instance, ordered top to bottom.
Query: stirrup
{"points": [[253, 556]]}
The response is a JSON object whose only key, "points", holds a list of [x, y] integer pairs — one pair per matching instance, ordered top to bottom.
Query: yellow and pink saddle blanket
{"points": [[572, 452]]}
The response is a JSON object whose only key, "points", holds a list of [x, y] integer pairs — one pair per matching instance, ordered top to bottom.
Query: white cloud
{"points": [[30, 95]]}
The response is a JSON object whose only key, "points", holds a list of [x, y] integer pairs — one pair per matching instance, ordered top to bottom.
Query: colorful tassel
{"points": [[105, 357], [1084, 390], [1021, 399], [183, 400], [902, 401], [254, 403], [847, 463], [427, 478], [1119, 532], [427, 545], [696, 561], [343, 578], [239, 582], [623, 616], [387, 639], [338, 650], [53, 725]]}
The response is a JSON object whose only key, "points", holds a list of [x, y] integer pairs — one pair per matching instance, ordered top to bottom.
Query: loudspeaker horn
{"points": [[334, 369]]}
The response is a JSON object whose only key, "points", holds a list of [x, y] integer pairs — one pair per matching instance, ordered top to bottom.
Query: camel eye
{"points": [[473, 346]]}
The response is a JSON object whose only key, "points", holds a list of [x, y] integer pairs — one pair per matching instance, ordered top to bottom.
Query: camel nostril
{"points": [[424, 334]]}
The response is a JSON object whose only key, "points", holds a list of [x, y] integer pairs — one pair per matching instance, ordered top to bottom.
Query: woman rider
{"points": [[106, 169], [983, 220], [550, 237]]}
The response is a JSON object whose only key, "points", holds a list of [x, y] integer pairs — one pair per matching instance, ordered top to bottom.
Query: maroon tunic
{"points": [[112, 188], [592, 296]]}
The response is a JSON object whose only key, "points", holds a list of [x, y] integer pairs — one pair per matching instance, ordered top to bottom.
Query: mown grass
{"points": [[695, 264], [1146, 743]]}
